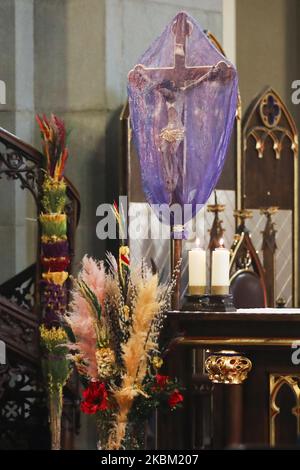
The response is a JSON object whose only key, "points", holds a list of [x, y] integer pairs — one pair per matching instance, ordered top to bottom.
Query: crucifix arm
{"points": [[221, 71], [181, 77]]}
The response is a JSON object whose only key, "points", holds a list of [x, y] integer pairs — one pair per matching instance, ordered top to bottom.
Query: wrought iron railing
{"points": [[23, 417]]}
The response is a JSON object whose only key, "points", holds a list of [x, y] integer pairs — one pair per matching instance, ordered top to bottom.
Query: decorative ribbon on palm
{"points": [[182, 99], [124, 251], [55, 261]]}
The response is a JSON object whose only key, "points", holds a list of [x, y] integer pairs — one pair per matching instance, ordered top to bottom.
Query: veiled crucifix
{"points": [[171, 83], [182, 101]]}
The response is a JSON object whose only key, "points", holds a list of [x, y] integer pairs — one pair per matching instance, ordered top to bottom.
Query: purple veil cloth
{"points": [[182, 98]]}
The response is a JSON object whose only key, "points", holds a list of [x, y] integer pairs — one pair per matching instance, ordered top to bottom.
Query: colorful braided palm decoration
{"points": [[55, 258], [55, 262]]}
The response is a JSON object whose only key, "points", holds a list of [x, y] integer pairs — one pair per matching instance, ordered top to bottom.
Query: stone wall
{"points": [[267, 52], [71, 57], [17, 214]]}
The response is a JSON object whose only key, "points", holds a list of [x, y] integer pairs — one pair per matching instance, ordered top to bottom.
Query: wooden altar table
{"points": [[264, 409]]}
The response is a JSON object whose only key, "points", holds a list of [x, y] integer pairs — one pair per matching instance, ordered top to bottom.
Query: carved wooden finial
{"points": [[216, 207], [269, 211], [241, 215], [217, 230], [269, 232], [269, 248]]}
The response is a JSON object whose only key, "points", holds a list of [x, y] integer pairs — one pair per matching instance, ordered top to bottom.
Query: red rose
{"points": [[161, 380], [95, 398], [175, 398], [88, 408]]}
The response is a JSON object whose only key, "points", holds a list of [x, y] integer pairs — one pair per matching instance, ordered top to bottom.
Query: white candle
{"points": [[197, 271], [220, 271]]}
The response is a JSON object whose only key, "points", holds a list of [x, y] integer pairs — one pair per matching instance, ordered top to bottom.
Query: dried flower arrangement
{"points": [[116, 316]]}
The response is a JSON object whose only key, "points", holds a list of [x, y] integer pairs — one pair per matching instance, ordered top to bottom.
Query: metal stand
{"points": [[209, 303]]}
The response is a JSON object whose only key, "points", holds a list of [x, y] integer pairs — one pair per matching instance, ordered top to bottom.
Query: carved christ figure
{"points": [[171, 84], [170, 138]]}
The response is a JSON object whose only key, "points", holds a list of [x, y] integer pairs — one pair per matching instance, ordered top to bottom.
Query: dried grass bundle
{"points": [[93, 274], [81, 317], [116, 318], [81, 322], [135, 353]]}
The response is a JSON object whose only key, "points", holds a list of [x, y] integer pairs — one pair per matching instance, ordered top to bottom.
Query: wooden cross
{"points": [[180, 75]]}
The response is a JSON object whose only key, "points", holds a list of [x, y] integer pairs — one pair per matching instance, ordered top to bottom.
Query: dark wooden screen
{"points": [[270, 172]]}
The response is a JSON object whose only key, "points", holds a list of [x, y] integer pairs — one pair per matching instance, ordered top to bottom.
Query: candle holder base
{"points": [[208, 303]]}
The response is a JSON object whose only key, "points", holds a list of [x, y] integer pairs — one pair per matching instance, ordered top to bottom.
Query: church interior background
{"points": [[72, 58]]}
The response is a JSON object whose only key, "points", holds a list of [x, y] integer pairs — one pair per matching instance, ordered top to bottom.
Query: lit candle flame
{"points": [[197, 242], [221, 243]]}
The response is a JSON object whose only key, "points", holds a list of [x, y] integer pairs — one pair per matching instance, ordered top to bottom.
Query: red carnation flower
{"points": [[161, 380], [95, 398], [175, 398]]}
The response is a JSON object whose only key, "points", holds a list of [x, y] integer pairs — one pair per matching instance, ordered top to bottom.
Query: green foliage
{"points": [[54, 195], [54, 225], [91, 298], [56, 365], [56, 371], [154, 396]]}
